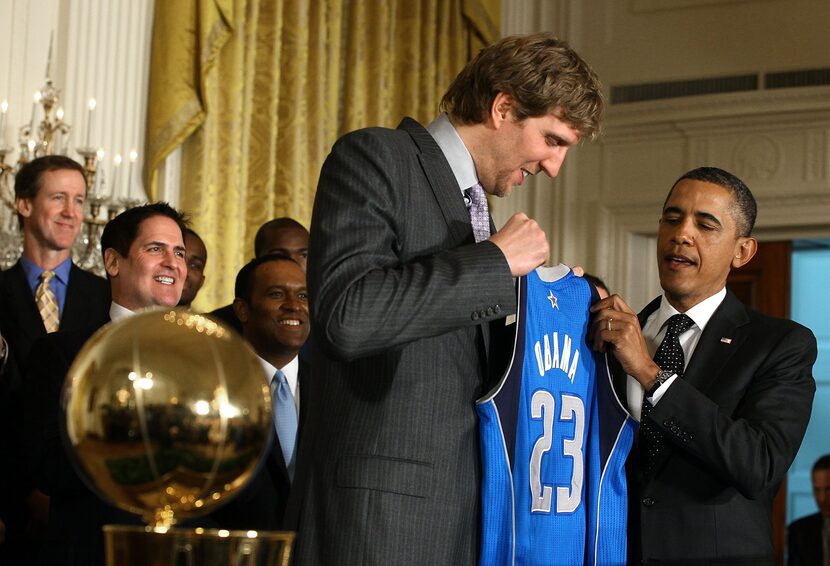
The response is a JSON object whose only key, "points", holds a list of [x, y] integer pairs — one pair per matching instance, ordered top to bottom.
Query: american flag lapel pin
{"points": [[726, 340]]}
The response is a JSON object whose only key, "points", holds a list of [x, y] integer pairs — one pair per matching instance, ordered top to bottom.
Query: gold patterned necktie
{"points": [[47, 303]]}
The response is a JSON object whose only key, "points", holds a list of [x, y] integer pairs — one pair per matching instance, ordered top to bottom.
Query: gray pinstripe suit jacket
{"points": [[402, 298]]}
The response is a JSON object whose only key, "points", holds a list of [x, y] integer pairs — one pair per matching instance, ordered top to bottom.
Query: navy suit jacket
{"points": [[732, 426]]}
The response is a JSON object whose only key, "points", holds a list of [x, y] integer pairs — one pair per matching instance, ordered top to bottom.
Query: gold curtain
{"points": [[257, 91]]}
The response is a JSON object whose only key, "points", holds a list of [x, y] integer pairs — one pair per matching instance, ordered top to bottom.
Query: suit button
{"points": [[497, 309], [490, 311], [482, 313], [474, 316], [667, 423], [675, 429], [648, 502]]}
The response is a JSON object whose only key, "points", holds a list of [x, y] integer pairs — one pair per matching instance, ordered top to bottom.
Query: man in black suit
{"points": [[281, 235], [144, 256], [405, 282], [43, 292], [272, 304], [726, 400], [808, 538]]}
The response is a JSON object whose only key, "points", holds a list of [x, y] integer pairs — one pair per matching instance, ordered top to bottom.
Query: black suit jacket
{"points": [[87, 303], [226, 315], [732, 426], [388, 469], [261, 504], [76, 515], [804, 541]]}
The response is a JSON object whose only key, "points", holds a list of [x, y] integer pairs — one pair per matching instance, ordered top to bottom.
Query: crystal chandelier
{"points": [[51, 136]]}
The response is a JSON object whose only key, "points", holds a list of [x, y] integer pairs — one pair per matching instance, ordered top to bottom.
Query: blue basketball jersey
{"points": [[554, 438]]}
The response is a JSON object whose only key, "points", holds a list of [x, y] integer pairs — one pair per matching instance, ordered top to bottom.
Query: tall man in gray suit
{"points": [[409, 287], [725, 400]]}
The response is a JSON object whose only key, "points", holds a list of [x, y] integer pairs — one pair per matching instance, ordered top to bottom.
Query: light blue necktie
{"points": [[285, 419]]}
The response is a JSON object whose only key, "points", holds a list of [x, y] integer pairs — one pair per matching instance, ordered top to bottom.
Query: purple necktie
{"points": [[479, 213]]}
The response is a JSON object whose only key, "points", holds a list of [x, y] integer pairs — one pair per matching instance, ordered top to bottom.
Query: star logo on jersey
{"points": [[553, 300]]}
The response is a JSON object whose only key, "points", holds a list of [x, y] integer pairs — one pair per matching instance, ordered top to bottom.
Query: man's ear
{"points": [[501, 109], [24, 206], [744, 251], [111, 262], [240, 309]]}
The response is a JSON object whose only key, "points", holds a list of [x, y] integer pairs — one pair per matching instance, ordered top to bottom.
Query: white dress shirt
{"points": [[655, 329], [291, 369]]}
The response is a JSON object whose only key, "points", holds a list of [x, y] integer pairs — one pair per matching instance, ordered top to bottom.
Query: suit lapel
{"points": [[442, 182], [444, 186], [23, 302], [73, 312], [711, 353]]}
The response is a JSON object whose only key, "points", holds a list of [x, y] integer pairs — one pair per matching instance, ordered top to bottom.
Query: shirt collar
{"points": [[453, 148], [33, 271], [117, 312], [700, 313], [291, 369]]}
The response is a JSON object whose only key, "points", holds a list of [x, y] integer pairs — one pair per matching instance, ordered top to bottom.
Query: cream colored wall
{"points": [[634, 41], [602, 210]]}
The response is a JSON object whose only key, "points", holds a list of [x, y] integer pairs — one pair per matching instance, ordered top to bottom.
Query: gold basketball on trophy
{"points": [[167, 414]]}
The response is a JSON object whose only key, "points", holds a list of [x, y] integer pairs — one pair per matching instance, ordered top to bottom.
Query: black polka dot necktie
{"points": [[669, 357]]}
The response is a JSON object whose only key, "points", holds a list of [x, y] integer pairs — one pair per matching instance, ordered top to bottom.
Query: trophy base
{"points": [[143, 546]]}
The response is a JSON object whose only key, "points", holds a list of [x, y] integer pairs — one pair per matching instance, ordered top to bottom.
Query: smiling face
{"points": [[510, 149], [52, 219], [698, 243], [195, 259], [154, 270], [276, 319]]}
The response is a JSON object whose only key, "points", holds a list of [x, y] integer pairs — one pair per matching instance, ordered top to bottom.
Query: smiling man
{"points": [[144, 253], [196, 259], [406, 276], [43, 292], [272, 304], [723, 393]]}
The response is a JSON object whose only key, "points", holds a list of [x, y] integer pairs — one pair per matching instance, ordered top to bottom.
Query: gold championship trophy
{"points": [[168, 415]]}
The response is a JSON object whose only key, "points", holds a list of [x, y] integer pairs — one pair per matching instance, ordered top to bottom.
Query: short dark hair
{"points": [[541, 73], [28, 181], [745, 209], [281, 223], [120, 232], [596, 281], [244, 286], [822, 463]]}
